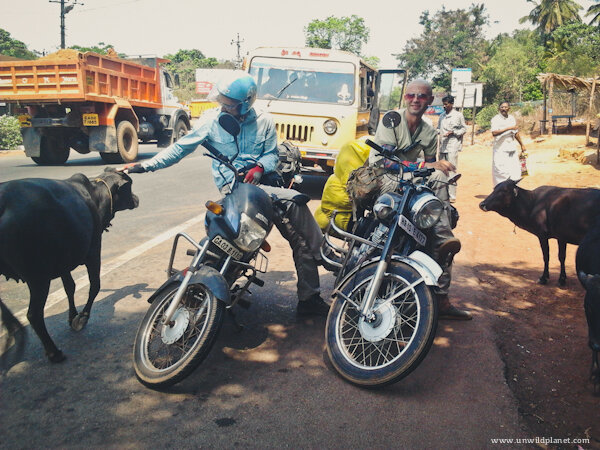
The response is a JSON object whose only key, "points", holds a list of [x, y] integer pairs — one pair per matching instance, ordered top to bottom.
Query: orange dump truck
{"points": [[91, 102]]}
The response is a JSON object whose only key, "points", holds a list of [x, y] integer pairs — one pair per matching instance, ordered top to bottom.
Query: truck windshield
{"points": [[306, 80]]}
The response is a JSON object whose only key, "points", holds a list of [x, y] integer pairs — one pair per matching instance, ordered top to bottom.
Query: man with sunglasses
{"points": [[412, 128], [258, 156]]}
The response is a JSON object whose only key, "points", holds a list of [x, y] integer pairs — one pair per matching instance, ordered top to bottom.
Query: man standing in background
{"points": [[451, 128], [506, 164]]}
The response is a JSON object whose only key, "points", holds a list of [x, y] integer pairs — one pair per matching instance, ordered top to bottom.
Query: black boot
{"points": [[313, 306], [447, 311]]}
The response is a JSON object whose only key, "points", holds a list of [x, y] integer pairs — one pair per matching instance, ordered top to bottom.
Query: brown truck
{"points": [[91, 102]]}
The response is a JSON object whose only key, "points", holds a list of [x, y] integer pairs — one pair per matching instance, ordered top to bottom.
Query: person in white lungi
{"points": [[451, 129], [506, 155]]}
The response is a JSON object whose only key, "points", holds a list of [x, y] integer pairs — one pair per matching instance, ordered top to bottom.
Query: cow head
{"points": [[119, 184], [501, 198]]}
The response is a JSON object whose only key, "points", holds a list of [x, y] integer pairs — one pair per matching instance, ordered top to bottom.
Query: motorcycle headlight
{"points": [[330, 126], [384, 207], [426, 211], [251, 234]]}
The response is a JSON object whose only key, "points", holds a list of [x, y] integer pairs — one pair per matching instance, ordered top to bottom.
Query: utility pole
{"points": [[64, 10], [238, 42]]}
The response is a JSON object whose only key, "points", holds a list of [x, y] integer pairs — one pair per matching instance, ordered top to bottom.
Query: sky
{"points": [[159, 27]]}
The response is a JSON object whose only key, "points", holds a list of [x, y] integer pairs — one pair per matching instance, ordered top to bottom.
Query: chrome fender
{"points": [[424, 264], [429, 270]]}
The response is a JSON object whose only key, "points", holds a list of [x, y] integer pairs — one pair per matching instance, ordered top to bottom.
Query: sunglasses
{"points": [[411, 97]]}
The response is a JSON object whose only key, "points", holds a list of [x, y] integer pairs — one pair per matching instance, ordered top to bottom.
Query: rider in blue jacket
{"points": [[259, 156]]}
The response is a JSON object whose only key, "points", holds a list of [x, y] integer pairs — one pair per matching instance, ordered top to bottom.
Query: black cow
{"points": [[549, 212], [48, 228], [587, 262]]}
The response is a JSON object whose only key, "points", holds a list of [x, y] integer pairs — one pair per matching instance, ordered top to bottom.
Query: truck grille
{"points": [[286, 131]]}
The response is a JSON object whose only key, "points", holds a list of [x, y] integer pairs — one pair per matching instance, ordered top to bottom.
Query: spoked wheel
{"points": [[388, 347], [163, 355]]}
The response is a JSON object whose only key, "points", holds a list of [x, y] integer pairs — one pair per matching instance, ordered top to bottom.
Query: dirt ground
{"points": [[541, 330]]}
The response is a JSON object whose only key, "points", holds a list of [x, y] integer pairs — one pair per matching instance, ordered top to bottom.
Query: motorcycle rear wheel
{"points": [[389, 348], [165, 355]]}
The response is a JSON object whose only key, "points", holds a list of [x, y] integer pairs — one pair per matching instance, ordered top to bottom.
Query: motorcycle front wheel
{"points": [[383, 350], [163, 355]]}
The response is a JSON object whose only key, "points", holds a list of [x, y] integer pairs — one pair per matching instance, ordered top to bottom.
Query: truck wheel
{"points": [[181, 129], [127, 141], [53, 151]]}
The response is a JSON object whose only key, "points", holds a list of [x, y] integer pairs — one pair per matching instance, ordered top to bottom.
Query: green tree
{"points": [[594, 10], [548, 15], [342, 33], [451, 38], [13, 47], [100, 48], [574, 49], [373, 61], [184, 64], [510, 73], [10, 134]]}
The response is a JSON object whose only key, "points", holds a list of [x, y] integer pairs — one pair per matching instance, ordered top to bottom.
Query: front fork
{"points": [[190, 271], [188, 275], [375, 283]]}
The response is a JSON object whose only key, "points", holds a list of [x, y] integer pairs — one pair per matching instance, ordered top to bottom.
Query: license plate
{"points": [[25, 120], [90, 120], [409, 227], [227, 247]]}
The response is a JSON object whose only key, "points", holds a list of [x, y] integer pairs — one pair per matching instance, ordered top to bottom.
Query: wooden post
{"points": [[551, 104], [545, 115], [589, 121], [473, 125], [598, 148]]}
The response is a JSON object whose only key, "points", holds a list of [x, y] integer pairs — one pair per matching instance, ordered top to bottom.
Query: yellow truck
{"points": [[322, 98], [91, 102]]}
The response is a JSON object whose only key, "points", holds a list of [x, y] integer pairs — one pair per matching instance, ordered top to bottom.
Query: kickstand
{"points": [[238, 326]]}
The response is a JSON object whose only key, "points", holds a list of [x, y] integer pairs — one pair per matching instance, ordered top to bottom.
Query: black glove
{"points": [[132, 168]]}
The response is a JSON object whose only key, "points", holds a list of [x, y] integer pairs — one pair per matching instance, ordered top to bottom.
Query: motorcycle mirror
{"points": [[391, 119], [229, 124], [455, 178]]}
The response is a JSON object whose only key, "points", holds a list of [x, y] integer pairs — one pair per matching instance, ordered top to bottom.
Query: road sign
{"points": [[459, 76], [468, 95]]}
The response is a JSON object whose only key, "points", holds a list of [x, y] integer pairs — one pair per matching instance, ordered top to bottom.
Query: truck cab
{"points": [[322, 98]]}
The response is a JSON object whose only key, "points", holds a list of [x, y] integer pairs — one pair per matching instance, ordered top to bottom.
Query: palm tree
{"points": [[594, 10], [548, 15]]}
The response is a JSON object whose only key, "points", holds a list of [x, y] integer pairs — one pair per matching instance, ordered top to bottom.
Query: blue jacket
{"points": [[257, 141]]}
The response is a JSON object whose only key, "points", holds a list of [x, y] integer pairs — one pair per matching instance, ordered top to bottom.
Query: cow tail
{"points": [[15, 335]]}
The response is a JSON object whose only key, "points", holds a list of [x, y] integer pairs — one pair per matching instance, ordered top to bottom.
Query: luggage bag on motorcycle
{"points": [[288, 166]]}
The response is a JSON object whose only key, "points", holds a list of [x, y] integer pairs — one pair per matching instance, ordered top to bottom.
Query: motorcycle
{"points": [[186, 312], [383, 318]]}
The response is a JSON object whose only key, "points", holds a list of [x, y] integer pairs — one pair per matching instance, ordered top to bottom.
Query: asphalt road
{"points": [[264, 387]]}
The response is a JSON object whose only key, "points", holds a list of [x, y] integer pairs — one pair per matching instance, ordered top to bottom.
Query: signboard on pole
{"points": [[459, 76], [206, 78], [468, 95]]}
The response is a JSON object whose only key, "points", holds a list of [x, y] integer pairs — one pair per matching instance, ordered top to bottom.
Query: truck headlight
{"points": [[330, 127], [426, 211], [251, 234]]}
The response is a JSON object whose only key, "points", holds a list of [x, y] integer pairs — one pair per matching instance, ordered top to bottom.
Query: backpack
{"points": [[288, 166], [363, 187]]}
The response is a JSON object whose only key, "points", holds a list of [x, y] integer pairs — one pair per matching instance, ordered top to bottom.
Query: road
{"points": [[264, 387]]}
